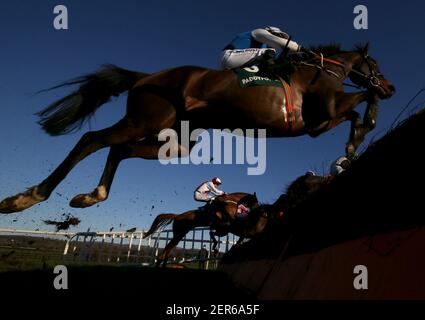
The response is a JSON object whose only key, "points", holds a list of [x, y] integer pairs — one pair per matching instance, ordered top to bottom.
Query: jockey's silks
{"points": [[244, 40]]}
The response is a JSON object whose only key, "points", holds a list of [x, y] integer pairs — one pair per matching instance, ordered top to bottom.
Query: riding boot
{"points": [[268, 60], [284, 67]]}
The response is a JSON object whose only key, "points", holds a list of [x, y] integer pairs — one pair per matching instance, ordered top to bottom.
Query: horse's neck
{"points": [[349, 59], [234, 196]]}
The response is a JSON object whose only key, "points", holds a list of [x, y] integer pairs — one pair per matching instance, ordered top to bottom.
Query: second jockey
{"points": [[339, 165], [208, 190]]}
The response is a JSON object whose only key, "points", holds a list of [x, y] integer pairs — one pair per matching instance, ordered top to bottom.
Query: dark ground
{"points": [[150, 283], [148, 293]]}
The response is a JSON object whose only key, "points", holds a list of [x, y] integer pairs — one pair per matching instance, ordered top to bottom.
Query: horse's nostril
{"points": [[392, 88]]}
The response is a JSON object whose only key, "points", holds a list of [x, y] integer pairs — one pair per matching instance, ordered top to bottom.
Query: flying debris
{"points": [[64, 225]]}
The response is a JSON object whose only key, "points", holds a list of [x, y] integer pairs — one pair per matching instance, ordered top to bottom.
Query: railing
{"points": [[192, 243], [131, 248]]}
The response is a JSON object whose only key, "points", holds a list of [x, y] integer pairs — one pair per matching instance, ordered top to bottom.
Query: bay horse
{"points": [[207, 99], [220, 218], [255, 223]]}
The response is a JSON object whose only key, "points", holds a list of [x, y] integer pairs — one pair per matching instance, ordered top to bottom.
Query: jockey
{"points": [[256, 45], [339, 165], [310, 173], [208, 190]]}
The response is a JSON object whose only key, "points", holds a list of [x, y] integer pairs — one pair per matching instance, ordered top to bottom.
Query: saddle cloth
{"points": [[256, 76], [259, 76]]}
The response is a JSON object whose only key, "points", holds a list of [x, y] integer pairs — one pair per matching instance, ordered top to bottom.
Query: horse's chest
{"points": [[287, 115]]}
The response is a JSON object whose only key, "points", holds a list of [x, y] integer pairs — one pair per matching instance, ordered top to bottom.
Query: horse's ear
{"points": [[366, 47], [255, 194]]}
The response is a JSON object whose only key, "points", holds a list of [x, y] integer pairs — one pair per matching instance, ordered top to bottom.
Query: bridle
{"points": [[372, 79]]}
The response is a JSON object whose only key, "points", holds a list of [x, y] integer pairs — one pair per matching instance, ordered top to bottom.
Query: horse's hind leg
{"points": [[161, 113], [90, 142], [146, 149], [178, 235]]}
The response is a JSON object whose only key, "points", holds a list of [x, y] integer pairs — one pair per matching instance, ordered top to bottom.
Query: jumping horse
{"points": [[207, 99], [220, 219], [255, 223]]}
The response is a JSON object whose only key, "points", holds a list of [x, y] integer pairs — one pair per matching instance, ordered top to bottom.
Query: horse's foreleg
{"points": [[345, 104], [371, 113], [359, 129], [356, 137], [89, 143], [214, 239], [239, 242]]}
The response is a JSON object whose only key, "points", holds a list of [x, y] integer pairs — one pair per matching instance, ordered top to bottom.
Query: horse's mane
{"points": [[334, 48], [327, 50], [300, 189], [296, 191], [250, 199]]}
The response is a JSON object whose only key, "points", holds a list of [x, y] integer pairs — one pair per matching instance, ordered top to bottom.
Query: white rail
{"points": [[130, 247]]}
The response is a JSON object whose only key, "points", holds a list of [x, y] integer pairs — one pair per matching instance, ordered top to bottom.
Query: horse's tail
{"points": [[71, 112], [160, 221]]}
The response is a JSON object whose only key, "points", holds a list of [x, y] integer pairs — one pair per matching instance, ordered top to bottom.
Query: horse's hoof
{"points": [[88, 199], [21, 201], [83, 201]]}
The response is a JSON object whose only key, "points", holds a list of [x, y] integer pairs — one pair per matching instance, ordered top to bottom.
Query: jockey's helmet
{"points": [[277, 32], [340, 165], [216, 181]]}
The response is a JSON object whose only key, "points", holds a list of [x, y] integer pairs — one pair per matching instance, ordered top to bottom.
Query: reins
{"points": [[322, 65], [371, 78], [230, 201]]}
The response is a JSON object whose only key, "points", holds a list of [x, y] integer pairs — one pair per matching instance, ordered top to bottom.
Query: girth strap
{"points": [[288, 106]]}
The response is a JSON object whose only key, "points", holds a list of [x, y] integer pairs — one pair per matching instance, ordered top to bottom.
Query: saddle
{"points": [[209, 206], [215, 206], [243, 207]]}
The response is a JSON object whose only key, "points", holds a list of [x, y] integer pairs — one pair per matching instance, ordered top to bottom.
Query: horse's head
{"points": [[366, 73], [301, 188], [250, 200]]}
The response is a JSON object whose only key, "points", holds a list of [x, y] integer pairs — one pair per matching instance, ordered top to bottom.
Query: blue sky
{"points": [[153, 35]]}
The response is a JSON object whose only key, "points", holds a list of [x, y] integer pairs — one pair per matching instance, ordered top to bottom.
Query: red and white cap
{"points": [[216, 180]]}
